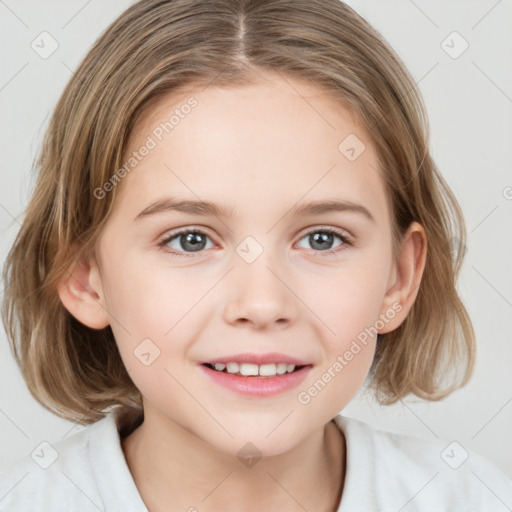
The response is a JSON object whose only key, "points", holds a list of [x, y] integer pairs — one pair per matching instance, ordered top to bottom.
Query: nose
{"points": [[259, 296]]}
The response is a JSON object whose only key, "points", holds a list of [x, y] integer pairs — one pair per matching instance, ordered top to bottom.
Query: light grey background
{"points": [[469, 100]]}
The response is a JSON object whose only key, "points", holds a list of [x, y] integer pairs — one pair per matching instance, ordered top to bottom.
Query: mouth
{"points": [[270, 370], [257, 374], [253, 380]]}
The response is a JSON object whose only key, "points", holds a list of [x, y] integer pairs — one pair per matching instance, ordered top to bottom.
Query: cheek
{"points": [[348, 300], [145, 302], [348, 304], [144, 310], [156, 314]]}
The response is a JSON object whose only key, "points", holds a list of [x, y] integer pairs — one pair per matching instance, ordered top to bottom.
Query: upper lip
{"points": [[258, 359]]}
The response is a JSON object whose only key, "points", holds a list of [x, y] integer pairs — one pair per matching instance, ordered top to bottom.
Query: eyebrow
{"points": [[207, 208]]}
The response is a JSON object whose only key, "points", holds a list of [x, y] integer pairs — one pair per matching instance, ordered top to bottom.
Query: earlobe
{"points": [[407, 277], [80, 293]]}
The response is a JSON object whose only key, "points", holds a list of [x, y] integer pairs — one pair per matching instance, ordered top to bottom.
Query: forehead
{"points": [[277, 139]]}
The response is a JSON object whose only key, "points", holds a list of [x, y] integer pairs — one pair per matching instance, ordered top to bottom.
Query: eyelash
{"points": [[346, 241]]}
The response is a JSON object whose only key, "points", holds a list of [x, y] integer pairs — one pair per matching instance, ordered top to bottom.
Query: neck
{"points": [[175, 470]]}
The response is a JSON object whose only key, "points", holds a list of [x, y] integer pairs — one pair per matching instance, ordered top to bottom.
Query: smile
{"points": [[248, 369], [256, 383]]}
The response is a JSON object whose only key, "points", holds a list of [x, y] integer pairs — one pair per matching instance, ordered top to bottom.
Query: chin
{"points": [[255, 440]]}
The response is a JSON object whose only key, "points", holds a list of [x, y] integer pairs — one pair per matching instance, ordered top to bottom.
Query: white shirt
{"points": [[386, 472]]}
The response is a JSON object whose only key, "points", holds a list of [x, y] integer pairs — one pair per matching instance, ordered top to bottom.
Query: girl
{"points": [[237, 222]]}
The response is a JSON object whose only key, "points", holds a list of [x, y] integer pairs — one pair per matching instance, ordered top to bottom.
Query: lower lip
{"points": [[258, 386]]}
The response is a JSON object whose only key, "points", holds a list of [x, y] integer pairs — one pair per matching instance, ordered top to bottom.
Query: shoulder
{"points": [[389, 471], [70, 475], [52, 476]]}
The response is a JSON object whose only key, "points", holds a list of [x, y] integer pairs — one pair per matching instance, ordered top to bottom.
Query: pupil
{"points": [[319, 239], [193, 241]]}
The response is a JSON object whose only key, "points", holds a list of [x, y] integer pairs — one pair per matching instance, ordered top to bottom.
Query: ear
{"points": [[406, 277], [81, 294]]}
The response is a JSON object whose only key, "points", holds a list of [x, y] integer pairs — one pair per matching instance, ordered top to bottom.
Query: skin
{"points": [[260, 150]]}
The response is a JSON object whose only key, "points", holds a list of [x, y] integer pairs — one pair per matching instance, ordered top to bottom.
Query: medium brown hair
{"points": [[156, 47]]}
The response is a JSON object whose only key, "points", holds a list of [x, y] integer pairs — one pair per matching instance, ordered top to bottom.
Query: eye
{"points": [[322, 239], [187, 240]]}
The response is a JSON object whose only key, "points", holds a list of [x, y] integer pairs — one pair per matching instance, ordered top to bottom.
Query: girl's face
{"points": [[263, 275]]}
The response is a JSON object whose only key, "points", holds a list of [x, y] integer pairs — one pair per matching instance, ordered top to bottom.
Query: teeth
{"points": [[232, 367], [281, 368], [248, 369], [267, 369]]}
